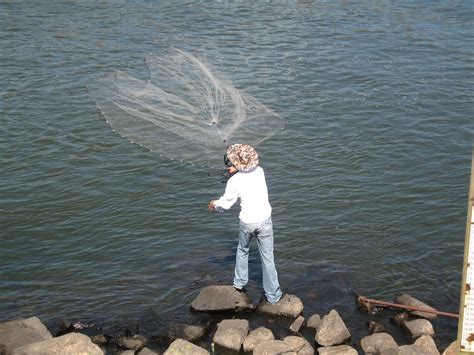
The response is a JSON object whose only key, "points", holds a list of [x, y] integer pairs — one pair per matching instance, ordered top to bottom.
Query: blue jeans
{"points": [[263, 231]]}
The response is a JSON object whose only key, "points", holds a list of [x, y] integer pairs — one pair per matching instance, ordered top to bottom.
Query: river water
{"points": [[368, 181]]}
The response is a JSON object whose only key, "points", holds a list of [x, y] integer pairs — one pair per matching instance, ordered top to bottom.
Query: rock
{"points": [[221, 299], [407, 300], [288, 306], [400, 318], [313, 321], [297, 324], [375, 327], [419, 327], [332, 330], [21, 332], [187, 332], [231, 333], [257, 336], [99, 339], [136, 342], [377, 342], [71, 343], [427, 343], [184, 347], [274, 347], [303, 347], [452, 349], [337, 350], [412, 350], [147, 351], [388, 351], [126, 352]]}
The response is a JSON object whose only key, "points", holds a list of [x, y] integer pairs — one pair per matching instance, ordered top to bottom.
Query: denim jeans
{"points": [[263, 232]]}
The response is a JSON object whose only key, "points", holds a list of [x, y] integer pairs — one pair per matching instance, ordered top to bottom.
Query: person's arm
{"points": [[227, 200]]}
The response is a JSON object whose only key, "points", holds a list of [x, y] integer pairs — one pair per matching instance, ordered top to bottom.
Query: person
{"points": [[246, 181]]}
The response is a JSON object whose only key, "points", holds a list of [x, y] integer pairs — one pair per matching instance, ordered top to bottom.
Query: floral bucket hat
{"points": [[243, 156]]}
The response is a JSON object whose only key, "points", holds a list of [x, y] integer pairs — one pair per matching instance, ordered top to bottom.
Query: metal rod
{"points": [[410, 308]]}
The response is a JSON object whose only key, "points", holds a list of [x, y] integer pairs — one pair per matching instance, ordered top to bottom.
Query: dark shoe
{"points": [[240, 289]]}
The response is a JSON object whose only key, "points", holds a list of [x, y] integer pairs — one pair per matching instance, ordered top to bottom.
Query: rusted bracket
{"points": [[368, 302]]}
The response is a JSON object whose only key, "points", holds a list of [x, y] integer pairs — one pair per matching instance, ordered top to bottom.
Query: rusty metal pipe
{"points": [[362, 299]]}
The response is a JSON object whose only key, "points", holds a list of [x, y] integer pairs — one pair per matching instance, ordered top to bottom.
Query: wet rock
{"points": [[221, 299], [408, 300], [288, 306], [400, 318], [313, 321], [297, 324], [375, 327], [419, 327], [332, 330], [21, 332], [187, 332], [231, 333], [257, 336], [99, 339], [136, 342], [378, 342], [72, 343], [427, 343], [184, 347], [303, 347], [451, 349], [337, 350], [147, 351]]}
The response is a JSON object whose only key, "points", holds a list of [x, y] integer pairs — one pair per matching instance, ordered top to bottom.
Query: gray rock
{"points": [[221, 298], [408, 300], [288, 306], [314, 321], [297, 324], [375, 327], [419, 327], [332, 330], [21, 332], [187, 332], [231, 334], [257, 336], [99, 339], [137, 342], [377, 342], [427, 343], [69, 344], [184, 347], [303, 347], [452, 349], [337, 350], [412, 350], [147, 351], [389, 351], [126, 352]]}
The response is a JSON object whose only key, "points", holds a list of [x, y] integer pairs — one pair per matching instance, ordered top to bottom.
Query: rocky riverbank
{"points": [[228, 326]]}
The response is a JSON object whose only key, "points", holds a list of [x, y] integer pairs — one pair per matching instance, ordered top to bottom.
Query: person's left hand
{"points": [[210, 205]]}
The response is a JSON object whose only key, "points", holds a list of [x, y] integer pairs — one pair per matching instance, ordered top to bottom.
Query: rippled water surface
{"points": [[368, 180]]}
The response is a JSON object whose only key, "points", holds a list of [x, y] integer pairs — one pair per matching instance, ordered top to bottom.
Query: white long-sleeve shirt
{"points": [[251, 188]]}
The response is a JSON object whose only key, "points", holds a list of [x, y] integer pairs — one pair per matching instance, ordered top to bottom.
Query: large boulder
{"points": [[221, 298], [408, 300], [288, 306], [419, 327], [332, 330], [21, 332], [231, 333], [257, 336], [377, 343], [69, 344], [184, 347], [303, 347], [337, 350], [412, 350]]}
